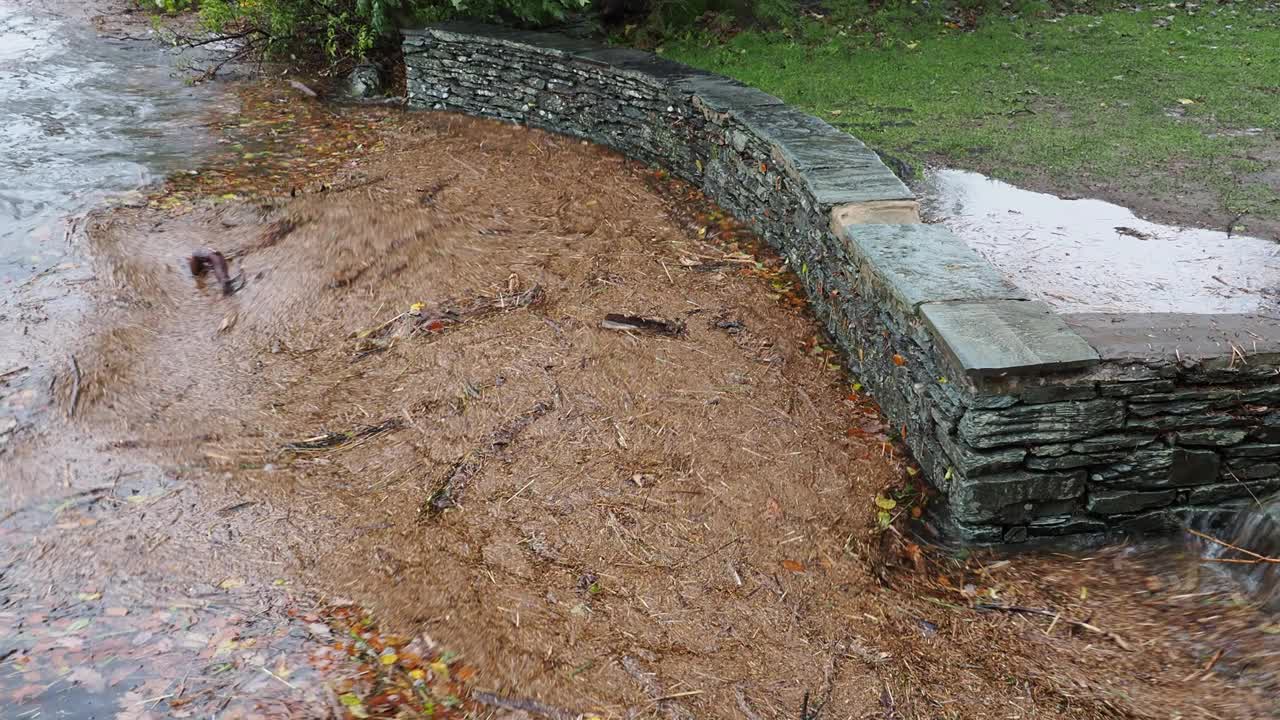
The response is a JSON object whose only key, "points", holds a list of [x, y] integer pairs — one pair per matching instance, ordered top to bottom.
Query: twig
{"points": [[13, 371], [75, 386], [1257, 559], [1058, 616], [525, 704], [743, 705]]}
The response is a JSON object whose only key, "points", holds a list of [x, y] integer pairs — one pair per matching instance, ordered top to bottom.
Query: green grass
{"points": [[1080, 102]]}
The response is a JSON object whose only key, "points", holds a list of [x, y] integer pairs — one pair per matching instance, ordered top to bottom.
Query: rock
{"points": [[363, 82], [1129, 389], [1058, 393], [1050, 423], [1211, 438], [1109, 443], [1254, 450], [1062, 462], [971, 463], [1193, 467], [1245, 469], [1220, 492], [1013, 497], [1110, 502], [1067, 524]]}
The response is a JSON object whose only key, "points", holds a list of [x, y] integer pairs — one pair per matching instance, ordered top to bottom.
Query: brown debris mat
{"points": [[621, 523]]}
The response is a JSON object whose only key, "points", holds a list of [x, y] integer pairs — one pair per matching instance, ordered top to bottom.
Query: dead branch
{"points": [[75, 386], [1254, 558], [1057, 618], [534, 707]]}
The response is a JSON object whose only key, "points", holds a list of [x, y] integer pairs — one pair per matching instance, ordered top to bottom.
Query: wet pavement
{"points": [[1091, 256]]}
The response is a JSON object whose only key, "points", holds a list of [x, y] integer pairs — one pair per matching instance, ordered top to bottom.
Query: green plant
{"points": [[350, 30]]}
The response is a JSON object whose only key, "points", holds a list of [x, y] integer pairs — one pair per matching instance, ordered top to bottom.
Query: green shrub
{"points": [[350, 30]]}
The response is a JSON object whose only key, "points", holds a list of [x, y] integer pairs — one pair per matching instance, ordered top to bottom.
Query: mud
{"points": [[414, 400]]}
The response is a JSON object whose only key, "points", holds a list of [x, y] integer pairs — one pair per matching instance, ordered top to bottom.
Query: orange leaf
{"points": [[763, 168], [435, 326], [899, 360], [916, 512], [794, 566]]}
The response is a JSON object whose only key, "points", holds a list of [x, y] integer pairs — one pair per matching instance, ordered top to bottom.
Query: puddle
{"points": [[80, 117], [1092, 256]]}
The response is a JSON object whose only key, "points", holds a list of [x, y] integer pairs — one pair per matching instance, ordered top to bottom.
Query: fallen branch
{"points": [[1058, 618]]}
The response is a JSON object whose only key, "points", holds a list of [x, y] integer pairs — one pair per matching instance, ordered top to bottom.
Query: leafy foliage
{"points": [[344, 30]]}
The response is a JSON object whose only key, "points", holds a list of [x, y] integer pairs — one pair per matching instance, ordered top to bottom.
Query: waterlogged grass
{"points": [[1156, 101]]}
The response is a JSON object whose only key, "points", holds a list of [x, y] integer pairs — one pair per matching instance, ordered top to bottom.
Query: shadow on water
{"points": [[81, 117], [1092, 256]]}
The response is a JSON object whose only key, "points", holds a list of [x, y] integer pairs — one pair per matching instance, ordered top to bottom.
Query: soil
{"points": [[412, 402]]}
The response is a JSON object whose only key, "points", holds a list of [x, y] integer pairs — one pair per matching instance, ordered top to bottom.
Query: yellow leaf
{"points": [[912, 45], [1186, 101], [230, 196], [416, 308], [885, 503], [884, 518], [231, 583], [1084, 593], [90, 597], [389, 659], [440, 669], [417, 674]]}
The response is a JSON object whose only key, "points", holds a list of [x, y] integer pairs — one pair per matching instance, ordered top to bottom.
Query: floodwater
{"points": [[81, 117], [1092, 256]]}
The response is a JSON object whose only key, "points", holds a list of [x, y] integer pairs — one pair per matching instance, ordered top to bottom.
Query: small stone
{"points": [[363, 82]]}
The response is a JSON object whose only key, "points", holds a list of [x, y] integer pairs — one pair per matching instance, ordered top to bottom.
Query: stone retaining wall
{"points": [[1033, 425]]}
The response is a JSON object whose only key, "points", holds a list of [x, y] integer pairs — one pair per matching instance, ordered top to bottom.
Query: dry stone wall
{"points": [[1032, 425]]}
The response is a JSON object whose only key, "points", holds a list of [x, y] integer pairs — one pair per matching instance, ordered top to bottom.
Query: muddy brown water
{"points": [[410, 402]]}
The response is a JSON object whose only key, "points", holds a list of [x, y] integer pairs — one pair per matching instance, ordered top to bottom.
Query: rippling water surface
{"points": [[81, 117]]}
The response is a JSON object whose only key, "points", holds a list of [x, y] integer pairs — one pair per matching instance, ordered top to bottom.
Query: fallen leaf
{"points": [[1186, 101], [899, 360], [885, 503], [794, 566], [231, 583], [90, 596], [116, 611]]}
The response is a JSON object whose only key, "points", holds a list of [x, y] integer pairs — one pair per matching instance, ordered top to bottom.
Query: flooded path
{"points": [[81, 117], [1092, 256], [411, 402]]}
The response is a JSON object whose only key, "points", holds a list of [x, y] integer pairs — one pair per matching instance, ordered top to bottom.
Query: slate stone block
{"points": [[916, 264], [1003, 338], [1040, 394], [1032, 424], [1211, 438], [971, 463], [1012, 498], [1112, 502]]}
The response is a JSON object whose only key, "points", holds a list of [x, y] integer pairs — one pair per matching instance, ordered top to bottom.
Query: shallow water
{"points": [[81, 117], [1093, 256]]}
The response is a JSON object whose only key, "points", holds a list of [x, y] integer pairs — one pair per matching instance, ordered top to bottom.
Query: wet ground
{"points": [[1082, 255], [564, 429]]}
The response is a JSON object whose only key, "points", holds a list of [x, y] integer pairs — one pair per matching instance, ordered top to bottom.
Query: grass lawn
{"points": [[1169, 110]]}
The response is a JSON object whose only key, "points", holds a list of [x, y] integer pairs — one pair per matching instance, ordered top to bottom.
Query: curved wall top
{"points": [[1033, 424]]}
